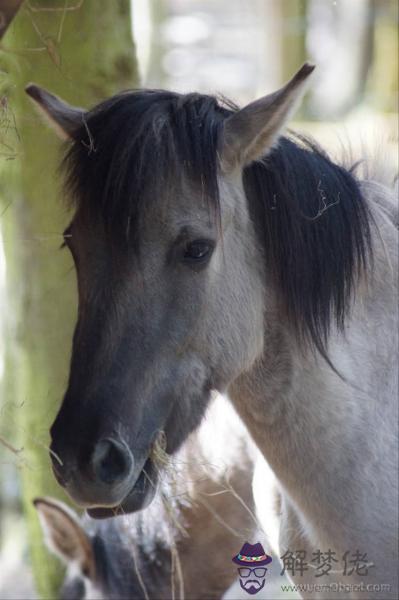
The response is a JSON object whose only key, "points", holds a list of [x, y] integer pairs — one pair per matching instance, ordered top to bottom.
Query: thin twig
{"points": [[54, 9], [62, 20], [323, 205], [5, 208], [9, 446]]}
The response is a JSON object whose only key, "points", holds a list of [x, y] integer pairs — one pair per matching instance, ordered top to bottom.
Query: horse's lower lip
{"points": [[139, 496]]}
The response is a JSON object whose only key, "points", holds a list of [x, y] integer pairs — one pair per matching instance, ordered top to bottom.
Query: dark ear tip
{"points": [[306, 69], [33, 91]]}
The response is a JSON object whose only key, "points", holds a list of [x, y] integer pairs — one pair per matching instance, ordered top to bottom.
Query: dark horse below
{"points": [[212, 253]]}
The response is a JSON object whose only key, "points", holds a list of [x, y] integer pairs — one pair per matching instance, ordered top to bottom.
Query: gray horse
{"points": [[212, 252]]}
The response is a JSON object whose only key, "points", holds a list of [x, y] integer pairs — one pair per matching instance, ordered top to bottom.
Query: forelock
{"points": [[138, 144]]}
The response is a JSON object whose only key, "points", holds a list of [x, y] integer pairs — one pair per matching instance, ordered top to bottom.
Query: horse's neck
{"points": [[311, 425]]}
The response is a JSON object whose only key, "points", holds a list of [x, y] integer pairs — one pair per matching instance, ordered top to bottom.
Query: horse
{"points": [[216, 251], [181, 546]]}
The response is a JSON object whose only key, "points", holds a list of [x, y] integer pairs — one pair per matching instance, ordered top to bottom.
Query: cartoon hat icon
{"points": [[252, 555]]}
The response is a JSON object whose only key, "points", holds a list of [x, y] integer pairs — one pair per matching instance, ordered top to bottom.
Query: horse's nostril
{"points": [[111, 461]]}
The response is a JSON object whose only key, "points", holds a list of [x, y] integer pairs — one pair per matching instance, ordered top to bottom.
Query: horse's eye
{"points": [[198, 251]]}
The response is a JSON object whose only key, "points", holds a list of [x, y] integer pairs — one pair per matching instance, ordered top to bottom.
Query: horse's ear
{"points": [[63, 118], [249, 133], [64, 534]]}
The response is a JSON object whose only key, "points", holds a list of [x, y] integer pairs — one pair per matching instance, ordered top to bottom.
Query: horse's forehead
{"points": [[190, 199], [177, 207], [166, 210]]}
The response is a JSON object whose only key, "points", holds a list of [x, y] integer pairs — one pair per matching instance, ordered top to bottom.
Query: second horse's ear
{"points": [[62, 117], [64, 535]]}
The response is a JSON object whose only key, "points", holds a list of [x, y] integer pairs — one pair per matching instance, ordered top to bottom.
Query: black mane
{"points": [[313, 222], [315, 228]]}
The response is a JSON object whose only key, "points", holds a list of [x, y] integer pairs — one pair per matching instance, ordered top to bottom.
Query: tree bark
{"points": [[82, 51]]}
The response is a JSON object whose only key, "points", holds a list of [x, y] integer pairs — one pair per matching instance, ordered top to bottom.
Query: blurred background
{"points": [[238, 48]]}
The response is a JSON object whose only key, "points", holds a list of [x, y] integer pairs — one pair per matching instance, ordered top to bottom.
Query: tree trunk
{"points": [[82, 51]]}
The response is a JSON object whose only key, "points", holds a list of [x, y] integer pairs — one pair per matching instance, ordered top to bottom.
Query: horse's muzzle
{"points": [[104, 478]]}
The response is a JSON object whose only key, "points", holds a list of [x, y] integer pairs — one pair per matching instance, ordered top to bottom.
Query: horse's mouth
{"points": [[140, 496]]}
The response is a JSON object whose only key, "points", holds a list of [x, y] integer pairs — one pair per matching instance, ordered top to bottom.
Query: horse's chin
{"points": [[140, 496]]}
